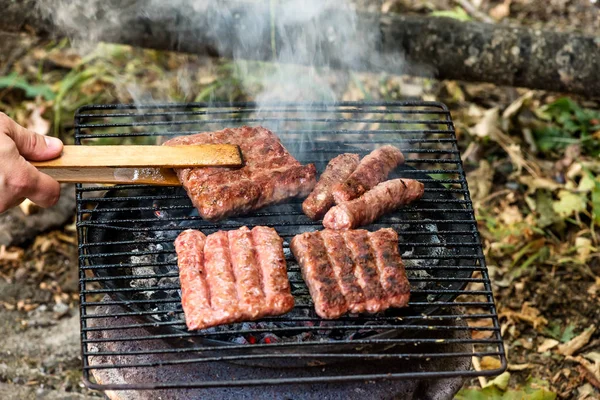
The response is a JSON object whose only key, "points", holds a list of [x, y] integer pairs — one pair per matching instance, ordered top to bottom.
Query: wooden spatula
{"points": [[136, 164]]}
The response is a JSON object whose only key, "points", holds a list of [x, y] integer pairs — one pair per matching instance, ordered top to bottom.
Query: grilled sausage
{"points": [[373, 169], [337, 171], [382, 199], [309, 250], [342, 263], [390, 266], [366, 270], [352, 271], [247, 272], [232, 276], [220, 278], [276, 286], [195, 297]]}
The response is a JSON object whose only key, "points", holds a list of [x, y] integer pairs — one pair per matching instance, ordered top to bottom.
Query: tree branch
{"points": [[435, 47]]}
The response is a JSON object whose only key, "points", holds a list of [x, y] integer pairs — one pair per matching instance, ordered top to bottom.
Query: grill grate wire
{"points": [[126, 231]]}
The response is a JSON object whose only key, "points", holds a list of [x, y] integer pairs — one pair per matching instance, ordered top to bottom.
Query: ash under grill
{"points": [[127, 232]]}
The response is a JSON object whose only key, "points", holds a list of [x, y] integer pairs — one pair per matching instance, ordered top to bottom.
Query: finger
{"points": [[32, 146], [23, 180], [43, 190], [16, 202], [13, 203]]}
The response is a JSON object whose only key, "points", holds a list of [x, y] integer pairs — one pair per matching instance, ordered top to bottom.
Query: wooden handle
{"points": [[203, 155], [136, 164], [151, 176]]}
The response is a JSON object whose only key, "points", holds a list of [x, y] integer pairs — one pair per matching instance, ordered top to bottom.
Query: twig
{"points": [[471, 9], [494, 195], [477, 366], [591, 378]]}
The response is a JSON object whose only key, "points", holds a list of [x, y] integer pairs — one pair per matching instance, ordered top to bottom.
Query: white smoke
{"points": [[307, 33]]}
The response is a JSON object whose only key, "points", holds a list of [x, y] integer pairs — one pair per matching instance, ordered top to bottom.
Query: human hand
{"points": [[18, 178]]}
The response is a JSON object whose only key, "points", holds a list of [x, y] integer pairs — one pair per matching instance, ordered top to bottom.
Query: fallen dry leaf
{"points": [[501, 11], [66, 58], [516, 105], [475, 111], [36, 123], [488, 125], [480, 180], [538, 183], [29, 207], [511, 215], [66, 238], [44, 242], [584, 249], [10, 255], [594, 288], [527, 314], [479, 323], [547, 344], [569, 348], [593, 355], [488, 362], [520, 367], [591, 371], [586, 392]]}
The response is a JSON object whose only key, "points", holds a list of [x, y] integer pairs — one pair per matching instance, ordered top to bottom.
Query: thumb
{"points": [[31, 146]]}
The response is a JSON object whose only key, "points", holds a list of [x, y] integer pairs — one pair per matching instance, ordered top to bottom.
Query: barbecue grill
{"points": [[128, 262]]}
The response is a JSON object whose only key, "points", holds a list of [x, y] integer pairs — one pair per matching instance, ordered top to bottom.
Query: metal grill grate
{"points": [[127, 258]]}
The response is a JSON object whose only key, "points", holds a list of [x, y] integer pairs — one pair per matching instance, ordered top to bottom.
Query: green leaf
{"points": [[458, 13], [31, 91], [563, 108], [552, 137], [587, 183], [570, 203], [596, 203], [545, 210], [553, 330], [568, 333], [501, 381], [534, 390]]}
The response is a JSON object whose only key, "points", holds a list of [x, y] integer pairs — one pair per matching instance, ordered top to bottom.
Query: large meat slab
{"points": [[270, 174]]}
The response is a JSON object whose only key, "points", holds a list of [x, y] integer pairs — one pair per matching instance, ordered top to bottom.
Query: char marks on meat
{"points": [[372, 169], [337, 171], [270, 174], [382, 199], [352, 271], [232, 276], [319, 276]]}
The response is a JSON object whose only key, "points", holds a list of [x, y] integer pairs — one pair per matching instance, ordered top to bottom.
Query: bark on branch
{"points": [[446, 48]]}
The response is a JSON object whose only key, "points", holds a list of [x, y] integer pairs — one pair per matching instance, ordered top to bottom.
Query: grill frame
{"points": [[384, 108]]}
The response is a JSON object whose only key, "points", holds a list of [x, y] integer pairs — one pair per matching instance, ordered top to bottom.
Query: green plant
{"points": [[458, 13], [16, 81], [568, 123]]}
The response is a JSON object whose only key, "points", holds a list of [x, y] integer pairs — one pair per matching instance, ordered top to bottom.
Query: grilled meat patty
{"points": [[372, 169], [337, 171], [270, 174], [382, 199], [352, 271], [232, 276]]}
